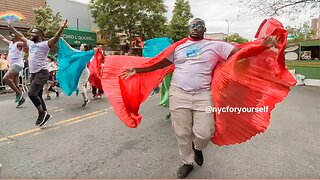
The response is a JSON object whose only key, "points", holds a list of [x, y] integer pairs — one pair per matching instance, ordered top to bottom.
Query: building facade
{"points": [[26, 8], [315, 25], [81, 26], [216, 36]]}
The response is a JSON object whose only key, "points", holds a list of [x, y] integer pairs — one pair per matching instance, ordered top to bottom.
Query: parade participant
{"points": [[38, 52], [15, 60], [71, 63], [96, 68], [84, 78], [50, 85], [190, 91], [97, 93]]}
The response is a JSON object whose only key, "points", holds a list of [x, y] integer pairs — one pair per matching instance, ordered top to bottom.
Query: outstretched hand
{"points": [[64, 23], [269, 41], [128, 73]]}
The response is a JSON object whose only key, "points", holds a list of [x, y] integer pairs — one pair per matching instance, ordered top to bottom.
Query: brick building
{"points": [[23, 6]]}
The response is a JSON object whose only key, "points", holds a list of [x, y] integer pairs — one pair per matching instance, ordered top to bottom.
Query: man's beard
{"points": [[34, 39]]}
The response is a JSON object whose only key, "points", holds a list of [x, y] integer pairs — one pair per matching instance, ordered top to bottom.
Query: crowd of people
{"points": [[42, 68]]}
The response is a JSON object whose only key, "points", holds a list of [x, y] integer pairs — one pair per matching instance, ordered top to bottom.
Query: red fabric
{"points": [[95, 69], [253, 77], [135, 90]]}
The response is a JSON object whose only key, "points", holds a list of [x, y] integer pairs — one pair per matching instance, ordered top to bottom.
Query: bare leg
{"points": [[10, 80]]}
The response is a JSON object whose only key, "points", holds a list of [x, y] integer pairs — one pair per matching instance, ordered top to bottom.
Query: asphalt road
{"points": [[92, 142]]}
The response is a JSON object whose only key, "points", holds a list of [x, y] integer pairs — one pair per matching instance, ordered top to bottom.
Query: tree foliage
{"points": [[282, 7], [182, 15], [145, 18], [47, 20], [300, 33], [237, 39]]}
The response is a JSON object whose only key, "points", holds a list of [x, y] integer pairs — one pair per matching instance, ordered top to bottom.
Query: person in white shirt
{"points": [[15, 59], [37, 59], [50, 85], [190, 91]]}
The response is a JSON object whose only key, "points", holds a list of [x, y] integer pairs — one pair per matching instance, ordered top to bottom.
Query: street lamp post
{"points": [[228, 26]]}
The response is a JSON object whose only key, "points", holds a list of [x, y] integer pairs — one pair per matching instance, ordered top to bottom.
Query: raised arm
{"points": [[18, 34], [4, 39], [55, 39], [268, 42], [20, 45], [234, 50], [130, 72]]}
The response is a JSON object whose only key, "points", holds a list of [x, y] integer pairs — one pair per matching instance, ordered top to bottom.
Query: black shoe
{"points": [[57, 93], [47, 98], [86, 102], [48, 117], [168, 117], [41, 118], [198, 156], [184, 170]]}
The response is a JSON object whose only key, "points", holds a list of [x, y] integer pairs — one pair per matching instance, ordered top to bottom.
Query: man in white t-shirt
{"points": [[38, 53], [15, 59], [190, 91]]}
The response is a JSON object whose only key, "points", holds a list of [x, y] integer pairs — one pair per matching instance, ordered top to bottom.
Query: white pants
{"points": [[83, 81]]}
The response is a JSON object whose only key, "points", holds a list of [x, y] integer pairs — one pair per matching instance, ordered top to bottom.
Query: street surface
{"points": [[92, 142]]}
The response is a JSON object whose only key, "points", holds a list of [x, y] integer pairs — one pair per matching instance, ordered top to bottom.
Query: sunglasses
{"points": [[199, 26], [35, 31]]}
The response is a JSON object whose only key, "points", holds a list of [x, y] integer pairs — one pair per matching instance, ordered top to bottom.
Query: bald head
{"points": [[200, 20], [197, 28]]}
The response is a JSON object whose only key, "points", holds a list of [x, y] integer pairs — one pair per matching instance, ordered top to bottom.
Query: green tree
{"points": [[282, 7], [145, 18], [47, 21], [178, 28], [301, 33], [237, 39]]}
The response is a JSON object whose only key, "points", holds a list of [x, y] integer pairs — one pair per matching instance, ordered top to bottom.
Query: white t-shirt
{"points": [[38, 53], [15, 55], [195, 61], [51, 66]]}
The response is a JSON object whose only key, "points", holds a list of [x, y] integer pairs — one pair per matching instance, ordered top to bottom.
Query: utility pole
{"points": [[229, 25], [78, 42]]}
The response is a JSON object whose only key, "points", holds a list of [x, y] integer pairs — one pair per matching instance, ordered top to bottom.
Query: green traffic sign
{"points": [[74, 37]]}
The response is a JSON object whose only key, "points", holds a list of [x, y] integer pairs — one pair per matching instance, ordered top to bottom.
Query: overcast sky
{"points": [[216, 12]]}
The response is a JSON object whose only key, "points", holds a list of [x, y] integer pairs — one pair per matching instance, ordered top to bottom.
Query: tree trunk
{"points": [[130, 41]]}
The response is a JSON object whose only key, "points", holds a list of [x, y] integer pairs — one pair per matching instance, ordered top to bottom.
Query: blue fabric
{"points": [[153, 47], [71, 62]]}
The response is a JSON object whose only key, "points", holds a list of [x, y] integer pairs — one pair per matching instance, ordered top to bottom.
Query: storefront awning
{"points": [[311, 43]]}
